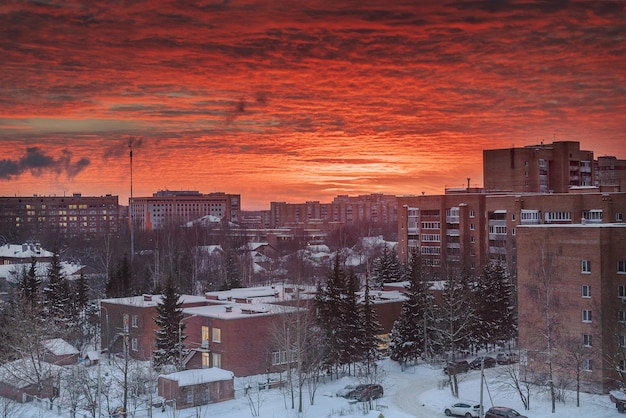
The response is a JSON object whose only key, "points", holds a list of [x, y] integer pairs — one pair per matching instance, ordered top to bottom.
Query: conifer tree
{"points": [[387, 268], [120, 280], [30, 283], [57, 293], [495, 309], [372, 329], [169, 333], [409, 335], [351, 336]]}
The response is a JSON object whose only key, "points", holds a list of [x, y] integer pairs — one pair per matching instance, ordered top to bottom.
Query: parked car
{"points": [[507, 358], [476, 363], [456, 367], [366, 392], [343, 393], [463, 409], [503, 412]]}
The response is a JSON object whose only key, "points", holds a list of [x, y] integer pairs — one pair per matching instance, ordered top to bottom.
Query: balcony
{"points": [[453, 219], [453, 233], [497, 237], [453, 245], [497, 250]]}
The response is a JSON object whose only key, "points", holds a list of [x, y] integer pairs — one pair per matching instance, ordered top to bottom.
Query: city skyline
{"points": [[293, 102]]}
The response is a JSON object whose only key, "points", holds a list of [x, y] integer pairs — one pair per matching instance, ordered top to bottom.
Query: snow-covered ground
{"points": [[415, 392]]}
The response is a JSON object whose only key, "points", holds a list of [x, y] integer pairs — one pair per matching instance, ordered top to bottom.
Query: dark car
{"points": [[507, 358], [476, 363], [456, 367], [365, 392], [503, 412]]}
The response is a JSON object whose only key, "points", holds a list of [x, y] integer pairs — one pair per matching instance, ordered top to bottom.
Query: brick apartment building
{"points": [[167, 206], [375, 208], [23, 218], [581, 270], [233, 330]]}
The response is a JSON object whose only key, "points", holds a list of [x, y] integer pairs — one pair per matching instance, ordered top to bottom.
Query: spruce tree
{"points": [[387, 268], [120, 280], [30, 283], [57, 293], [495, 309], [351, 332], [169, 333], [409, 335], [371, 341]]}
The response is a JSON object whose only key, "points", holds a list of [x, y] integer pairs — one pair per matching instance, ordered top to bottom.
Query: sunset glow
{"points": [[298, 100]]}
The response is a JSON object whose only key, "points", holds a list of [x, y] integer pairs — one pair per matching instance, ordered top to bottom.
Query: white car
{"points": [[463, 409]]}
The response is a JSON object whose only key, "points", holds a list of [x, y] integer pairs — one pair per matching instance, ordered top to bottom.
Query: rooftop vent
{"points": [[147, 298], [229, 308]]}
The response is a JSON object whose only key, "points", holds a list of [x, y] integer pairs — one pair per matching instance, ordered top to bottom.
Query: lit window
{"points": [[585, 266], [586, 291], [586, 315], [216, 335], [205, 336], [586, 340], [217, 359], [205, 361]]}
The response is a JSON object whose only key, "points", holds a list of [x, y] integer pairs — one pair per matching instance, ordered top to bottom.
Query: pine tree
{"points": [[387, 268], [120, 280], [30, 283], [57, 293], [82, 293], [495, 310], [372, 329], [169, 333], [351, 335], [409, 335]]}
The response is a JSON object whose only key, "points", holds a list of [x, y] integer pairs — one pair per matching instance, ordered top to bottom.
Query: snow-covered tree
{"points": [[387, 267], [120, 280], [29, 285], [57, 295], [495, 313], [410, 332], [169, 333], [371, 341]]}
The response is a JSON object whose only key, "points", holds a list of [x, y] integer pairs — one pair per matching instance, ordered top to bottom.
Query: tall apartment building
{"points": [[543, 168], [610, 174], [169, 206], [344, 210], [24, 218], [475, 226], [572, 303]]}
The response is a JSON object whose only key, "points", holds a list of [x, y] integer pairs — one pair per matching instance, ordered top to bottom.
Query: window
{"points": [[471, 214], [513, 217], [618, 217], [472, 227], [512, 231], [472, 239], [585, 266], [621, 267], [586, 291], [621, 291], [586, 315], [621, 316], [125, 320], [135, 321], [216, 335], [205, 336], [586, 340], [133, 344], [283, 357], [217, 359], [587, 364], [622, 365], [189, 396]]}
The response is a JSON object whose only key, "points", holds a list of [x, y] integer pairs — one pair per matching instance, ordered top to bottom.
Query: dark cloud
{"points": [[38, 163]]}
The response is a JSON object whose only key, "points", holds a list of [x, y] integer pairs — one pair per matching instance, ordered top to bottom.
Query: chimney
{"points": [[147, 298], [228, 308]]}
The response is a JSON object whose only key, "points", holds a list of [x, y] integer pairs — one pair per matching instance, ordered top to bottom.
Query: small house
{"points": [[197, 387]]}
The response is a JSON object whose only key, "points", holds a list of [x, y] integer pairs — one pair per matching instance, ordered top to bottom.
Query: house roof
{"points": [[27, 250], [11, 272], [146, 301], [60, 347], [21, 373], [199, 376]]}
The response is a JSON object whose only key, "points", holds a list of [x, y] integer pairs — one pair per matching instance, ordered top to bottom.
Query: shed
{"points": [[60, 352], [18, 380], [197, 387]]}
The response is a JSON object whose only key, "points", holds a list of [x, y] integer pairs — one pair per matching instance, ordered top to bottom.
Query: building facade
{"points": [[541, 168], [170, 206], [25, 218], [572, 303]]}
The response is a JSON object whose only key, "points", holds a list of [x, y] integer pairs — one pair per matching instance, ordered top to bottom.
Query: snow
{"points": [[59, 347], [199, 376], [418, 391]]}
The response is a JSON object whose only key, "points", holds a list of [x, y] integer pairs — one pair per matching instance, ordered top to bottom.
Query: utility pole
{"points": [[130, 207]]}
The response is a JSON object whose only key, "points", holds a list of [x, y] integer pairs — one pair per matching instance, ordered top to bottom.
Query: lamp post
{"points": [[180, 340]]}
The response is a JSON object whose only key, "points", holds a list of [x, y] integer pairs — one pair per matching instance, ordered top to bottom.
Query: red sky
{"points": [[298, 100]]}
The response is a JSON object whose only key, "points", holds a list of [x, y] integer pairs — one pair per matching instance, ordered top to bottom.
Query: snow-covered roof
{"points": [[253, 246], [211, 248], [27, 250], [7, 271], [265, 294], [150, 300], [233, 310], [60, 347], [21, 373], [199, 376]]}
